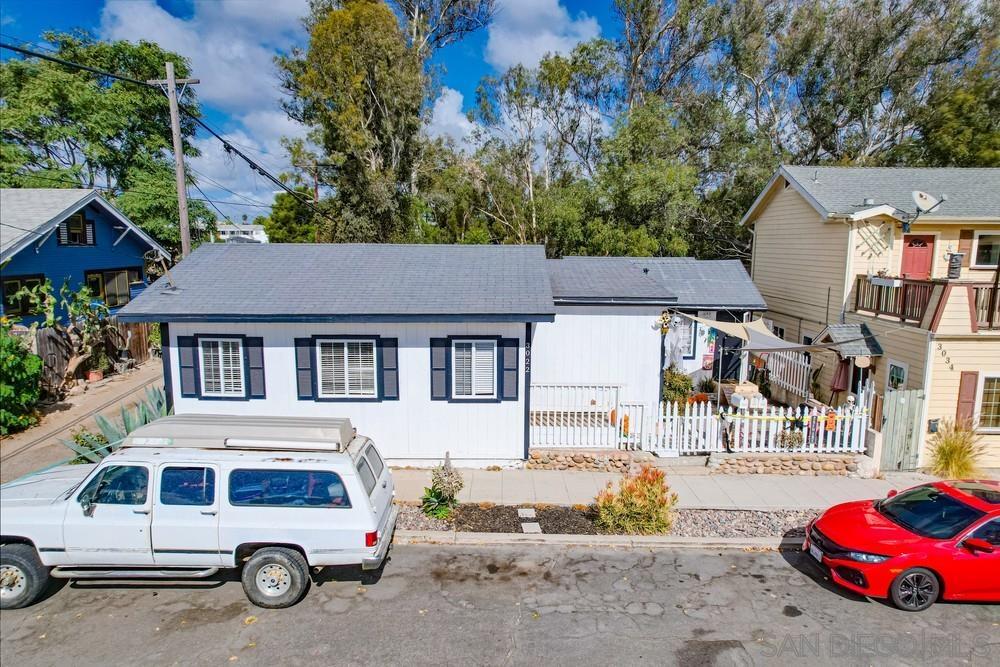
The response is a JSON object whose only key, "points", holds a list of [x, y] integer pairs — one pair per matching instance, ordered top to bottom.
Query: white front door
{"points": [[186, 516], [108, 524]]}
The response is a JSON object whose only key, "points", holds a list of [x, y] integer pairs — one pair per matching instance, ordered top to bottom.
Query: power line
{"points": [[229, 147], [223, 187], [108, 188]]}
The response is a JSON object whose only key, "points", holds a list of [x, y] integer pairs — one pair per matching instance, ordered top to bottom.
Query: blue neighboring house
{"points": [[73, 235]]}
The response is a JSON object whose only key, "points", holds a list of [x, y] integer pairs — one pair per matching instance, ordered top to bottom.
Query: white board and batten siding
{"points": [[601, 345], [411, 430]]}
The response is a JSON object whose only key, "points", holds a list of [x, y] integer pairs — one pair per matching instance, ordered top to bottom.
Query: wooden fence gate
{"points": [[901, 426]]}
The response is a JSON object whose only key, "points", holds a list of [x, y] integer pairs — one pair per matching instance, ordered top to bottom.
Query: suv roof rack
{"points": [[245, 432]]}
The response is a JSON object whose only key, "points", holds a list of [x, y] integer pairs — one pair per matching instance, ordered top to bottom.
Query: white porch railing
{"points": [[790, 371], [576, 415], [698, 428]]}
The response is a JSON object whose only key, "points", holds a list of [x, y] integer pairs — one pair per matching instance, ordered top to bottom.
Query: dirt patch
{"points": [[476, 519], [567, 521]]}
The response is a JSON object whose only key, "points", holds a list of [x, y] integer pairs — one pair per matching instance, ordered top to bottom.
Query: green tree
{"points": [[361, 86], [960, 124], [62, 127], [291, 219]]}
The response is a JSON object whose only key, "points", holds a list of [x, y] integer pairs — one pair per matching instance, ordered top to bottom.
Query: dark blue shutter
{"points": [[253, 351], [440, 353], [389, 361], [507, 363], [187, 365], [304, 369]]}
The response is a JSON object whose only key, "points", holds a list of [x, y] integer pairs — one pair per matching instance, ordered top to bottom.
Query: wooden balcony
{"points": [[898, 298], [987, 301]]}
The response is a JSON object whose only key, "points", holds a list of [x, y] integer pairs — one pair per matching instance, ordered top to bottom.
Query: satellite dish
{"points": [[924, 201], [862, 362]]}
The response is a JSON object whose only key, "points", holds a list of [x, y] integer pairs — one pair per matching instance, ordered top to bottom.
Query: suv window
{"points": [[375, 461], [367, 478], [118, 485], [187, 486], [287, 488], [989, 531]]}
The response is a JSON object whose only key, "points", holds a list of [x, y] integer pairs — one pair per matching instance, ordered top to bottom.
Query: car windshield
{"points": [[929, 512]]}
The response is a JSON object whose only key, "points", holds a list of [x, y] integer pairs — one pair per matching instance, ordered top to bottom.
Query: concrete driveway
{"points": [[494, 606]]}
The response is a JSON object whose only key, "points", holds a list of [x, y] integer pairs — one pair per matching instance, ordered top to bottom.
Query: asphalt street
{"points": [[493, 606]]}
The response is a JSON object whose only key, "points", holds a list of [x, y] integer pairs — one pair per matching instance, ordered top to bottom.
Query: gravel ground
{"points": [[411, 518], [566, 520], [741, 523]]}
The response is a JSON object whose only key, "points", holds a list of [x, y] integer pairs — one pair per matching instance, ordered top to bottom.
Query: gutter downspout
{"points": [[848, 275]]}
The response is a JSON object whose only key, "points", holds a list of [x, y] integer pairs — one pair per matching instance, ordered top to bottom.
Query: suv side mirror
{"points": [[891, 493], [88, 504], [976, 544]]}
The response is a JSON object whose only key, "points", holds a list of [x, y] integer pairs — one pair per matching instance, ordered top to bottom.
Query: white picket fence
{"points": [[790, 371], [576, 415], [698, 428]]}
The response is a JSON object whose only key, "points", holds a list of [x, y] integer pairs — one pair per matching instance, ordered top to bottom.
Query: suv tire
{"points": [[275, 577], [23, 578], [915, 589]]}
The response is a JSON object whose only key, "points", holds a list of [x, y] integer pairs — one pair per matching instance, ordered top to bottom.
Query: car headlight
{"points": [[863, 557]]}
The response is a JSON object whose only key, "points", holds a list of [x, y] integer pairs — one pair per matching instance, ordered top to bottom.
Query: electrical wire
{"points": [[192, 114], [172, 195]]}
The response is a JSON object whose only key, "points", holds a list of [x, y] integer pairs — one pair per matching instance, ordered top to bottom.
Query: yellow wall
{"points": [[873, 253], [799, 258], [951, 356]]}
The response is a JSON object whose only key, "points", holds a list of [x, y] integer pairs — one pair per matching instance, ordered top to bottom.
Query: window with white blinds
{"points": [[221, 367], [346, 368], [474, 368]]}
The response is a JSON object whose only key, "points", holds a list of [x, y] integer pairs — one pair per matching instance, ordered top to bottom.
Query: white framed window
{"points": [[985, 250], [687, 337], [221, 367], [346, 368], [474, 369], [895, 377], [988, 405]]}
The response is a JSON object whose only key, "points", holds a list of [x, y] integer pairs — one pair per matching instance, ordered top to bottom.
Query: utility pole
{"points": [[169, 86]]}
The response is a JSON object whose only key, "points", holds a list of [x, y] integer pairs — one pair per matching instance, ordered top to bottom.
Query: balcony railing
{"points": [[901, 298], [987, 306]]}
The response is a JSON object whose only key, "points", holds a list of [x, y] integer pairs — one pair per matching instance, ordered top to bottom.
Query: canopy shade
{"points": [[758, 338]]}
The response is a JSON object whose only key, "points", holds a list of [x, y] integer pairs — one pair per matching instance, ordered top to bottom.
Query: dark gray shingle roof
{"points": [[972, 193], [678, 281], [329, 282], [867, 346]]}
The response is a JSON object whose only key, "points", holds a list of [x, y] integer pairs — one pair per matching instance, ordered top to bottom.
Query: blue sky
{"points": [[231, 44]]}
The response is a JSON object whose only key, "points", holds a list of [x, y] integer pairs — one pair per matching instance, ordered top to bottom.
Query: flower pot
{"points": [[94, 376]]}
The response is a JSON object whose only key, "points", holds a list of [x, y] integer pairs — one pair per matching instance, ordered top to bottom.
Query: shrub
{"points": [[20, 374], [676, 385], [707, 386], [90, 447], [955, 450], [447, 478], [442, 496], [642, 505]]}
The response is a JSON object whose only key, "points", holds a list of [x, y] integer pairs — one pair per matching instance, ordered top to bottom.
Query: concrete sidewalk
{"points": [[758, 492]]}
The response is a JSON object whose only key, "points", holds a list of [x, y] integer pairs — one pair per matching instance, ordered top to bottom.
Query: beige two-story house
{"points": [[840, 253]]}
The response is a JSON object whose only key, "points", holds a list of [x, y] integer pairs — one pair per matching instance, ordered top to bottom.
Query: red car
{"points": [[934, 541]]}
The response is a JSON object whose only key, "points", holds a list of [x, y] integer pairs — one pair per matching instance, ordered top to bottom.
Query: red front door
{"points": [[918, 256]]}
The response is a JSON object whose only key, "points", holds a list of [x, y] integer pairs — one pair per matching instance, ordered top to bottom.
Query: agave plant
{"points": [[93, 447]]}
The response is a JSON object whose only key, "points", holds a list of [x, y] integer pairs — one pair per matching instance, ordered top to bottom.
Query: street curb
{"points": [[451, 537]]}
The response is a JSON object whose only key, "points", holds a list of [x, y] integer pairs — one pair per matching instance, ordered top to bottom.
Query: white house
{"points": [[230, 232], [427, 348]]}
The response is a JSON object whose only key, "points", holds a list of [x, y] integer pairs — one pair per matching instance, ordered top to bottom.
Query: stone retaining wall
{"points": [[601, 460], [844, 465]]}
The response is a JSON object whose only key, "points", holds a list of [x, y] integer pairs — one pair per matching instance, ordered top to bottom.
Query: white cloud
{"points": [[523, 31], [231, 46], [448, 119]]}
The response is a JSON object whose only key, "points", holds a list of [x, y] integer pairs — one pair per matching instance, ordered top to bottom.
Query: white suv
{"points": [[189, 495]]}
